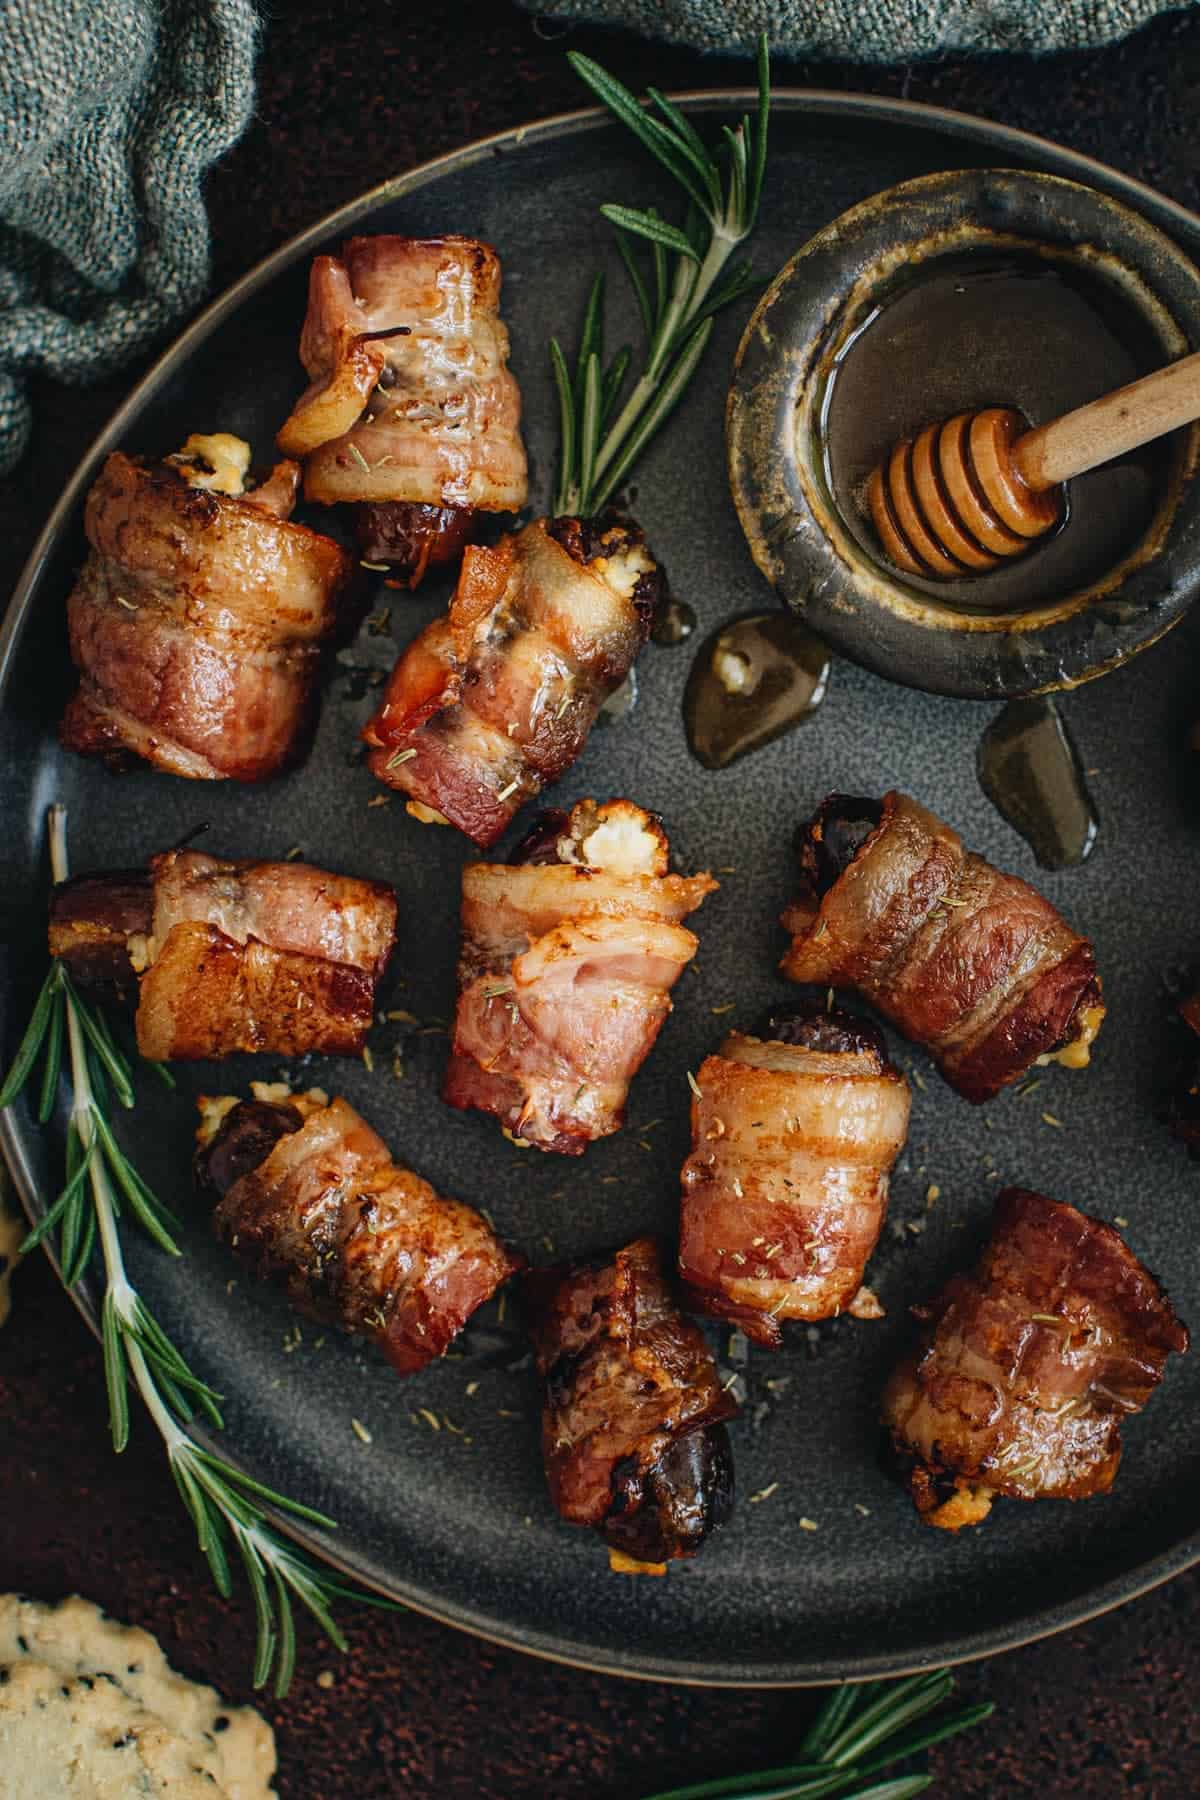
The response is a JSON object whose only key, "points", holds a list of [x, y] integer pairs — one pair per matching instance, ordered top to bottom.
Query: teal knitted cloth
{"points": [[870, 30], [111, 111]]}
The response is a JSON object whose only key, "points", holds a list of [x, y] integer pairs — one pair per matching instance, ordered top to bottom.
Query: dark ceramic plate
{"points": [[463, 1530]]}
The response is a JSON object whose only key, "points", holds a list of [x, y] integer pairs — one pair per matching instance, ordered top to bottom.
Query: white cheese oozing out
{"points": [[216, 461], [621, 571], [624, 841]]}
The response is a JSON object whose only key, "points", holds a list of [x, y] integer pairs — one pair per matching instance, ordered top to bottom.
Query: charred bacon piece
{"points": [[411, 411], [197, 620], [493, 701], [231, 956], [971, 963], [565, 974], [785, 1191], [310, 1197], [1026, 1367], [632, 1431]]}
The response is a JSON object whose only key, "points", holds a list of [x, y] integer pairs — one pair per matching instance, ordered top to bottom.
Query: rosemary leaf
{"points": [[622, 104], [647, 225], [637, 282], [591, 337], [614, 375], [591, 422], [566, 429], [31, 1043], [53, 1059], [54, 1213], [73, 1269], [116, 1372], [285, 1668], [896, 1706], [830, 1720], [911, 1743]]}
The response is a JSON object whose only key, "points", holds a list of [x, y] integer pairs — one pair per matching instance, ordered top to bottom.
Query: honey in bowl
{"points": [[1027, 331]]}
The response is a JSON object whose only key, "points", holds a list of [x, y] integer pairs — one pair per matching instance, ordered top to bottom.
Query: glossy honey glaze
{"points": [[1041, 335]]}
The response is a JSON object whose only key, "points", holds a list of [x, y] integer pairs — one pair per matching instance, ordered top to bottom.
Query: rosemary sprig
{"points": [[685, 282], [222, 1501], [862, 1729]]}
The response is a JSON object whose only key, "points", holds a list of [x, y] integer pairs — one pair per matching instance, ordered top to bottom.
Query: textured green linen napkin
{"points": [[870, 30], [110, 113]]}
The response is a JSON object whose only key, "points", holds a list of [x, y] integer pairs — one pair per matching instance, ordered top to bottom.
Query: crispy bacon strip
{"points": [[411, 409], [196, 623], [497, 698], [232, 955], [971, 963], [565, 974], [785, 1191], [310, 1197], [1026, 1367], [632, 1431]]}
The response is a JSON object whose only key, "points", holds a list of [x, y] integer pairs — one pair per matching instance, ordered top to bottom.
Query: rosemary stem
{"points": [[83, 1114]]}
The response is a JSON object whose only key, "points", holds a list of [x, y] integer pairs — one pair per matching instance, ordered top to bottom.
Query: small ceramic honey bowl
{"points": [[992, 288]]}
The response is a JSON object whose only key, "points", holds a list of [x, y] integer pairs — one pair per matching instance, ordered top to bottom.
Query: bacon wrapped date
{"points": [[411, 410], [197, 620], [497, 698], [231, 956], [969, 962], [564, 977], [786, 1188], [309, 1196], [1026, 1367], [632, 1424]]}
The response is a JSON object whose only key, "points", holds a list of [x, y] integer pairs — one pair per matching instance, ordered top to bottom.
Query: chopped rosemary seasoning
{"points": [[359, 458], [375, 568], [401, 756], [507, 792], [379, 800], [295, 851], [726, 1006], [368, 1059], [694, 1085], [1049, 1119], [430, 1418], [360, 1431], [764, 1493], [808, 1525]]}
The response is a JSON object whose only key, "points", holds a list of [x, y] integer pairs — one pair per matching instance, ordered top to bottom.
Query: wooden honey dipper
{"points": [[965, 495]]}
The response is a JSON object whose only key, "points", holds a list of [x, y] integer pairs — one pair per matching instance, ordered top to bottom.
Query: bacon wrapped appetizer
{"points": [[411, 411], [197, 620], [497, 698], [230, 956], [568, 958], [969, 962], [786, 1188], [310, 1197], [1026, 1367], [632, 1425]]}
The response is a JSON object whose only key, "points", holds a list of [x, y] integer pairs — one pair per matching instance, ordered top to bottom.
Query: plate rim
{"points": [[853, 105]]}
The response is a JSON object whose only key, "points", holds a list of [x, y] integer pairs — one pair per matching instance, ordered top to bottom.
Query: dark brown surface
{"points": [[1105, 1710]]}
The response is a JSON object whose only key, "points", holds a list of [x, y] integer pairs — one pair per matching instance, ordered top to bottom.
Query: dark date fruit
{"points": [[829, 842], [540, 843], [811, 1025], [245, 1138], [670, 1510]]}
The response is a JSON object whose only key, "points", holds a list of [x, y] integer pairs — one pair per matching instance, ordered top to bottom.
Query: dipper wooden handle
{"points": [[965, 495]]}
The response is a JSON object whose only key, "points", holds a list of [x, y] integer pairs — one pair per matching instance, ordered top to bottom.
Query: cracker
{"points": [[233, 1746]]}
